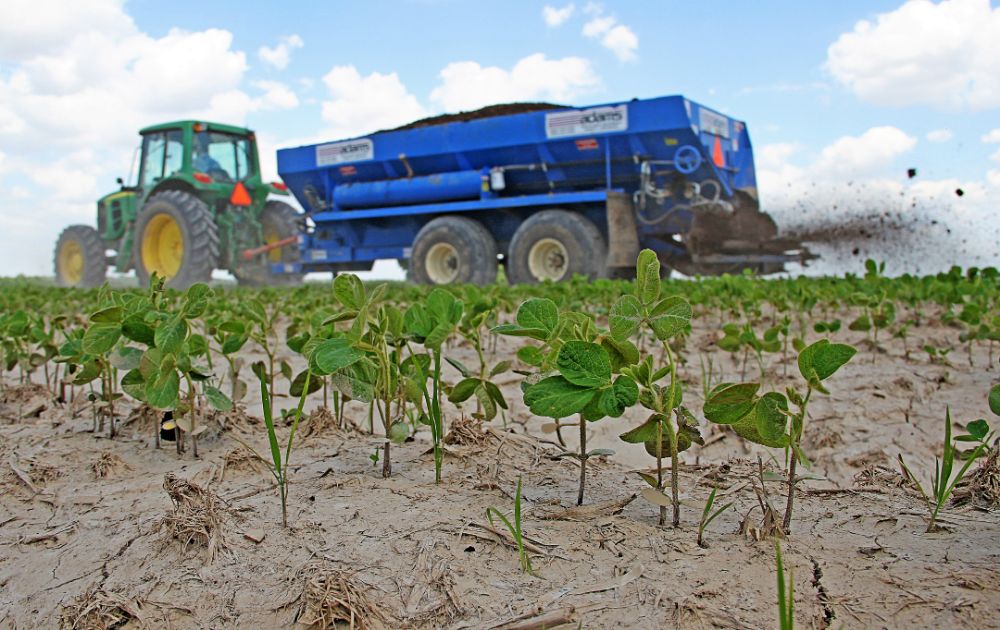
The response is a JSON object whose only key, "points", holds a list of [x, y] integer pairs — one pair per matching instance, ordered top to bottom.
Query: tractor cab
{"points": [[196, 204]]}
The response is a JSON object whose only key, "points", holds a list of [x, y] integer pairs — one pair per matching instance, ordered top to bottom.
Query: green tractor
{"points": [[198, 204]]}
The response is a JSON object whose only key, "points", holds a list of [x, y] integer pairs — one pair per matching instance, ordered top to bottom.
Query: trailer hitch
{"points": [[249, 254]]}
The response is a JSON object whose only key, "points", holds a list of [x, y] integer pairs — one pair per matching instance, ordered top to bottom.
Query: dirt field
{"points": [[89, 534]]}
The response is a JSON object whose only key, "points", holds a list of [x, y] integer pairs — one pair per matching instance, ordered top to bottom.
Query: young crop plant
{"points": [[429, 324], [578, 365], [155, 375], [489, 398], [767, 420], [670, 428], [278, 465], [943, 481], [708, 515], [514, 528], [786, 597]]}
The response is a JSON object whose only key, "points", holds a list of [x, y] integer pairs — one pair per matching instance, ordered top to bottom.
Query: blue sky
{"points": [[833, 92]]}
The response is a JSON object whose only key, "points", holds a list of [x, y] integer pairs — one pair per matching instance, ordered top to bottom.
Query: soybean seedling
{"points": [[582, 378], [767, 419], [660, 434], [942, 482], [707, 516], [514, 529]]}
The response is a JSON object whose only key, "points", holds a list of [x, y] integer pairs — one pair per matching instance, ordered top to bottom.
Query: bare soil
{"points": [[120, 534]]}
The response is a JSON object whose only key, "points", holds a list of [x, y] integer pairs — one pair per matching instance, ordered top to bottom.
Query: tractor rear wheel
{"points": [[278, 221], [176, 237], [555, 245], [453, 250], [79, 258]]}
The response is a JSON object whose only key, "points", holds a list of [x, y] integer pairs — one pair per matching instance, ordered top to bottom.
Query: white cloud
{"points": [[557, 16], [32, 27], [618, 38], [944, 55], [279, 56], [467, 85], [276, 96], [363, 104], [939, 135], [991, 137], [871, 151], [993, 177]]}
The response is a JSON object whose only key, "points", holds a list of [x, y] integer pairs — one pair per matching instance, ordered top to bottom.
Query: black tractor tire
{"points": [[164, 215], [279, 221], [556, 245], [453, 250], [79, 260]]}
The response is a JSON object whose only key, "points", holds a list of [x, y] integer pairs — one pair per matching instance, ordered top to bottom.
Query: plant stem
{"points": [[583, 460], [659, 470], [674, 485], [786, 522]]}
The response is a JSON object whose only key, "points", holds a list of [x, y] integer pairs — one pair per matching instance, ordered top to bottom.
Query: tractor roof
{"points": [[188, 123]]}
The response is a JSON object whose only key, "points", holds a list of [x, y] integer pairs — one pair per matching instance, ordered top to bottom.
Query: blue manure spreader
{"points": [[546, 191]]}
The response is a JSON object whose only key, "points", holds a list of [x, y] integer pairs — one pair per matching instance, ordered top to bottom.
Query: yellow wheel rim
{"points": [[162, 246], [548, 259], [71, 263], [442, 263]]}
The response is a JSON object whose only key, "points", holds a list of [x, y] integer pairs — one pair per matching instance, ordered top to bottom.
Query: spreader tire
{"points": [[175, 236], [556, 245], [453, 250], [79, 258]]}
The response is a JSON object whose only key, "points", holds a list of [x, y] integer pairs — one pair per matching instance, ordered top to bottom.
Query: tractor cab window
{"points": [[162, 156], [223, 156]]}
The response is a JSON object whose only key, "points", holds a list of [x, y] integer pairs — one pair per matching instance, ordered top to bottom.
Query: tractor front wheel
{"points": [[278, 221], [175, 237], [79, 258]]}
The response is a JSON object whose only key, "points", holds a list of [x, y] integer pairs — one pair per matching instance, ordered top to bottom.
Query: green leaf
{"points": [[647, 277], [349, 291], [538, 313], [111, 315], [626, 316], [670, 317], [860, 324], [169, 336], [101, 338], [233, 343], [334, 354], [126, 358], [821, 359], [585, 364], [458, 365], [500, 368], [90, 371], [134, 384], [295, 389], [463, 390], [161, 391], [556, 397], [619, 397], [217, 399], [994, 399], [729, 402], [486, 403], [769, 419], [978, 429], [398, 432], [645, 432]]}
